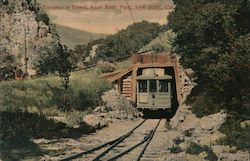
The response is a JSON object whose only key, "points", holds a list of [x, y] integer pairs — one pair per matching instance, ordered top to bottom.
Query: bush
{"points": [[42, 16], [7, 67], [105, 67], [74, 118], [235, 134], [177, 141], [175, 149], [196, 149]]}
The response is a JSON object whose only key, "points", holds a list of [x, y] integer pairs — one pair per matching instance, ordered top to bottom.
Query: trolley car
{"points": [[154, 92]]}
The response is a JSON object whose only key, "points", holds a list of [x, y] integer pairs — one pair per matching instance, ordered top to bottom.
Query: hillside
{"points": [[22, 21], [72, 37], [163, 41]]}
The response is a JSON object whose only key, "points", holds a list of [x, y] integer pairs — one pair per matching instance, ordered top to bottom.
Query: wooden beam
{"points": [[134, 75]]}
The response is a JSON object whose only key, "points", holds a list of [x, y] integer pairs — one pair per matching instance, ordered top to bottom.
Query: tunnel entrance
{"points": [[149, 70], [165, 113]]}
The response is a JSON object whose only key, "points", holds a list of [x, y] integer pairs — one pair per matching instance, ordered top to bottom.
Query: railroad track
{"points": [[130, 146]]}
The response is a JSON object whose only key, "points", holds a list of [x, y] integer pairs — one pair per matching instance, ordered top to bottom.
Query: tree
{"points": [[213, 40], [128, 41], [54, 59], [7, 67]]}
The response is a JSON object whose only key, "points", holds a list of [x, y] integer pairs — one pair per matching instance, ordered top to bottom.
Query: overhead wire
{"points": [[131, 13]]}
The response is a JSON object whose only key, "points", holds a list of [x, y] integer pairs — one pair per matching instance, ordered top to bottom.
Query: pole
{"points": [[25, 50]]}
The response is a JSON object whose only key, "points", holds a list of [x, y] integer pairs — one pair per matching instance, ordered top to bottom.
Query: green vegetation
{"points": [[42, 16], [128, 41], [164, 41], [214, 41], [122, 44], [81, 52], [55, 59], [125, 63], [7, 67], [105, 67], [84, 93], [26, 106], [32, 125], [237, 135], [178, 141], [175, 149], [196, 149]]}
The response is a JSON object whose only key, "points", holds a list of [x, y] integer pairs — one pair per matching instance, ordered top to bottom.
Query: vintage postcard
{"points": [[129, 80]]}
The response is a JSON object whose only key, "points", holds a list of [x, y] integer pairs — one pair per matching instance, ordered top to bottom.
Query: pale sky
{"points": [[105, 16]]}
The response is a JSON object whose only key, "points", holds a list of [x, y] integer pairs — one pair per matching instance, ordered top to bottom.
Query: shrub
{"points": [[42, 16], [7, 67], [105, 67], [74, 118], [235, 134], [177, 140], [175, 149], [196, 149]]}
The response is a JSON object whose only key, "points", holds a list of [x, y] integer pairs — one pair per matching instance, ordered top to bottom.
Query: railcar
{"points": [[154, 92]]}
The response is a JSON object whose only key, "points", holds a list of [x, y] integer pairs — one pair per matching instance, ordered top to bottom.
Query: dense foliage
{"points": [[41, 15], [213, 38], [128, 41], [215, 42], [81, 52], [54, 59], [7, 67]]}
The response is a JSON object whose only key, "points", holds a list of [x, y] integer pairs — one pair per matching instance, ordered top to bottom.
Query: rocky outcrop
{"points": [[23, 23], [118, 106], [115, 107], [185, 130]]}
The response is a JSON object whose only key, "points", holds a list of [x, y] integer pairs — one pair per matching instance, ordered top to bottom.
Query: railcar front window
{"points": [[143, 86], [152, 86], [163, 86]]}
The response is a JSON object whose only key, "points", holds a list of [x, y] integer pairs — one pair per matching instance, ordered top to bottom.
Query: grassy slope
{"points": [[72, 37], [164, 40], [44, 94]]}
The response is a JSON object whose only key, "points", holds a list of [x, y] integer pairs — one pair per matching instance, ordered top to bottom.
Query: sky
{"points": [[105, 16]]}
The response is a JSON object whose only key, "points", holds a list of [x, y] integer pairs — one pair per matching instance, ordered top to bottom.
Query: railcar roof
{"points": [[143, 77]]}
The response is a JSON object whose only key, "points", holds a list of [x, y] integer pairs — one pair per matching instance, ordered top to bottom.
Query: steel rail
{"points": [[148, 141], [112, 142], [117, 142], [131, 148]]}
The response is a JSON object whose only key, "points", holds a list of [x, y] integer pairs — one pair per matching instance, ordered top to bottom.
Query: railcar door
{"points": [[152, 94], [159, 94], [163, 96]]}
